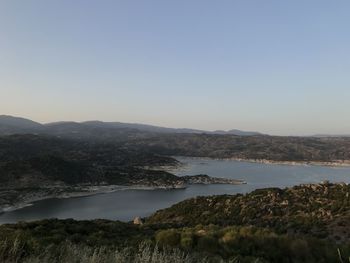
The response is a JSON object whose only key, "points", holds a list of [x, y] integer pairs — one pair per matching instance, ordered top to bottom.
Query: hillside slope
{"points": [[319, 210]]}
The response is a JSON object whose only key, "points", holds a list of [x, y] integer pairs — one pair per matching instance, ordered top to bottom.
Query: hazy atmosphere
{"points": [[277, 67]]}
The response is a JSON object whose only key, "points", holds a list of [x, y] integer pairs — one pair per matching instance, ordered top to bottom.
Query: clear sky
{"points": [[280, 67]]}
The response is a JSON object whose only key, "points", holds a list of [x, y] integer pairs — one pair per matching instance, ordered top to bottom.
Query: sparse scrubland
{"points": [[308, 223]]}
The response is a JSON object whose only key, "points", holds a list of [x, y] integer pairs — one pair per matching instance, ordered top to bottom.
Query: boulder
{"points": [[138, 221]]}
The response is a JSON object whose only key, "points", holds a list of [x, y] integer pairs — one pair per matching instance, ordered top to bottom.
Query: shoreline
{"points": [[296, 163], [334, 164], [82, 192], [30, 198]]}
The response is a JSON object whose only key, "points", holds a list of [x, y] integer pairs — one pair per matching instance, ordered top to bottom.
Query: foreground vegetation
{"points": [[307, 223], [106, 241], [70, 253]]}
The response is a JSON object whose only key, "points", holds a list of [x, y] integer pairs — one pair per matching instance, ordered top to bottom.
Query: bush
{"points": [[169, 237], [208, 243]]}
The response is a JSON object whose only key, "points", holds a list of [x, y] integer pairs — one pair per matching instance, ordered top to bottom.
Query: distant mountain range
{"points": [[17, 125], [330, 135]]}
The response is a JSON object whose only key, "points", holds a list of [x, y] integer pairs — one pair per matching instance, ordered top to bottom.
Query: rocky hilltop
{"points": [[321, 210]]}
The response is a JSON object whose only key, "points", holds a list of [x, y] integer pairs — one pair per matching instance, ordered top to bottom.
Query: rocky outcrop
{"points": [[138, 221]]}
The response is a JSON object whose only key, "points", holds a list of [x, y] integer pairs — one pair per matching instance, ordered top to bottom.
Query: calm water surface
{"points": [[127, 204]]}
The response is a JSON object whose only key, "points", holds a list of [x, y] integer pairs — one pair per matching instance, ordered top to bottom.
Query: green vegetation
{"points": [[274, 148], [29, 160], [57, 165], [321, 210], [89, 241], [107, 241], [250, 243], [71, 253]]}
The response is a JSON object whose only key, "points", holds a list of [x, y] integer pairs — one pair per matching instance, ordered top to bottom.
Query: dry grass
{"points": [[13, 252]]}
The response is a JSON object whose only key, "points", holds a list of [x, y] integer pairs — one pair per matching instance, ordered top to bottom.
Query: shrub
{"points": [[170, 237], [208, 243]]}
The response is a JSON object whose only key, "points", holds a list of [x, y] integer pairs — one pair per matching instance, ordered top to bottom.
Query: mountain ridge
{"points": [[11, 125]]}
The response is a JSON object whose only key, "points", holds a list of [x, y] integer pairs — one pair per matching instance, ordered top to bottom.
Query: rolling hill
{"points": [[15, 125]]}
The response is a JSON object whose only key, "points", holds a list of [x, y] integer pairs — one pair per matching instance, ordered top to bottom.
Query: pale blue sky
{"points": [[280, 67]]}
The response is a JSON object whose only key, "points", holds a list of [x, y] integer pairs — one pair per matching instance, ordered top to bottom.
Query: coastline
{"points": [[296, 163], [339, 163], [78, 192], [28, 198]]}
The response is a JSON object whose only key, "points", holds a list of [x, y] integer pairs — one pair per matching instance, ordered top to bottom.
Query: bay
{"points": [[124, 205]]}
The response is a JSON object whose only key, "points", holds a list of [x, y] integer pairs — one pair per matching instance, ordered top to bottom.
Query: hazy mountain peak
{"points": [[18, 122], [11, 125]]}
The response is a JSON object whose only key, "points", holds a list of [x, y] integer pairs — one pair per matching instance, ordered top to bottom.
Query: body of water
{"points": [[126, 204]]}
